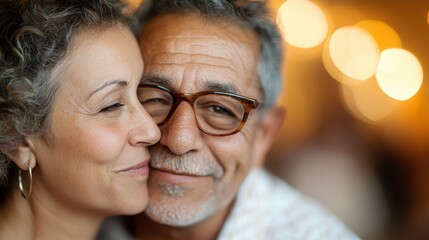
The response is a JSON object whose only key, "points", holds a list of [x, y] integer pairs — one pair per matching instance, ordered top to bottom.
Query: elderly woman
{"points": [[73, 134]]}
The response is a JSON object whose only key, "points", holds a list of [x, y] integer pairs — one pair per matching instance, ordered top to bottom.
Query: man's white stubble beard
{"points": [[172, 209], [175, 213]]}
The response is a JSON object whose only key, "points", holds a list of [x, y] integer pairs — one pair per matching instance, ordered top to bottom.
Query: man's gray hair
{"points": [[254, 15]]}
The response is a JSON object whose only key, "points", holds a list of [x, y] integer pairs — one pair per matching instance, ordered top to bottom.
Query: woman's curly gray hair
{"points": [[254, 15], [35, 36]]}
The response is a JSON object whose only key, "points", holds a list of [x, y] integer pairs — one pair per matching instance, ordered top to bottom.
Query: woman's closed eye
{"points": [[112, 107]]}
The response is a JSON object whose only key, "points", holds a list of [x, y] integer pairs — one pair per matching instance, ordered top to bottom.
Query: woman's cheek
{"points": [[99, 143]]}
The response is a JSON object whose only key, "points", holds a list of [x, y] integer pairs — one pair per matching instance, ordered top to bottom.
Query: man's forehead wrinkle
{"points": [[156, 39], [206, 45], [199, 46], [216, 52], [173, 58]]}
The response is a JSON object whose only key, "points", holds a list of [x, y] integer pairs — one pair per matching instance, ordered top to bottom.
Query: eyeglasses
{"points": [[216, 113]]}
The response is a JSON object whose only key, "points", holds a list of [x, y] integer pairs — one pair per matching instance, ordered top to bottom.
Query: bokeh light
{"points": [[302, 23], [382, 33], [354, 52], [332, 69], [399, 73], [367, 101]]}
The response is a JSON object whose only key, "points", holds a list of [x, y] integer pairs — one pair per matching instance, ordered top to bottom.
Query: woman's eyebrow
{"points": [[113, 82]]}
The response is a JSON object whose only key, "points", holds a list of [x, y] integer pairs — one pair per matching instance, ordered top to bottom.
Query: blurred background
{"points": [[356, 136]]}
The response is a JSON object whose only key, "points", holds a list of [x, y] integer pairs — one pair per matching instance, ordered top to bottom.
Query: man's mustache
{"points": [[189, 163]]}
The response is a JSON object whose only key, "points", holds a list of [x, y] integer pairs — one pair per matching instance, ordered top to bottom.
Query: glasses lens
{"points": [[157, 102], [218, 114]]}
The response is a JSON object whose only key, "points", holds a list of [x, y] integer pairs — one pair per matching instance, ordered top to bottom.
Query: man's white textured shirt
{"points": [[268, 208]]}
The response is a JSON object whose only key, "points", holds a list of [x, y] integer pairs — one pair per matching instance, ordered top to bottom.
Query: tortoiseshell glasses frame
{"points": [[216, 113]]}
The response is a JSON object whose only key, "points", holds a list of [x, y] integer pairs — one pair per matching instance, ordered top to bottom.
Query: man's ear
{"points": [[268, 129], [23, 156]]}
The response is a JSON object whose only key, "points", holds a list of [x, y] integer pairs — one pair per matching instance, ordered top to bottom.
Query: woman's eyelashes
{"points": [[112, 108]]}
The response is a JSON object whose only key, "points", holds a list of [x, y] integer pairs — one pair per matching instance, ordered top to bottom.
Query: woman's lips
{"points": [[141, 169]]}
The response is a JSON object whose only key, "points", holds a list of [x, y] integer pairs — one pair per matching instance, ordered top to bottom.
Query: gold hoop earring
{"points": [[21, 185]]}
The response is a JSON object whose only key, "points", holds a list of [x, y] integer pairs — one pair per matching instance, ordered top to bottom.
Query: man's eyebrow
{"points": [[156, 80], [113, 82], [208, 85], [220, 87]]}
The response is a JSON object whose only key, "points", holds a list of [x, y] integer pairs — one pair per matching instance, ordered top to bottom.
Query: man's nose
{"points": [[181, 133]]}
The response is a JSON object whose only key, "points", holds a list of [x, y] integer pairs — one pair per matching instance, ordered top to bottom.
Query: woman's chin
{"points": [[134, 205]]}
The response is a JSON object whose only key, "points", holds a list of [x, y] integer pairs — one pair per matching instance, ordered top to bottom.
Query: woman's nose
{"points": [[146, 131]]}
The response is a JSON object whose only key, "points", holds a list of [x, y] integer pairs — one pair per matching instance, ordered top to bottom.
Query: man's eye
{"points": [[112, 107], [221, 110]]}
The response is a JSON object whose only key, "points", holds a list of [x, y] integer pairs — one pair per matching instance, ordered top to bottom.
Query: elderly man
{"points": [[211, 81]]}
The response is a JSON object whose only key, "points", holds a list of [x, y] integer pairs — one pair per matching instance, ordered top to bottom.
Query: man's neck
{"points": [[208, 229]]}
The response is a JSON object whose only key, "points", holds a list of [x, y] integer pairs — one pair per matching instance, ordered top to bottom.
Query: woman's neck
{"points": [[31, 219], [16, 220]]}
